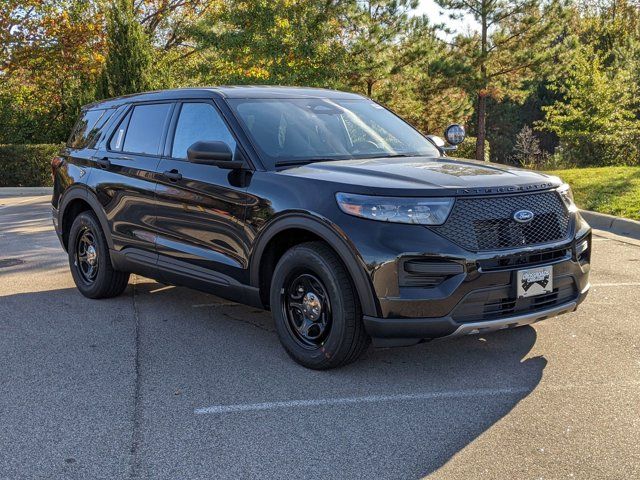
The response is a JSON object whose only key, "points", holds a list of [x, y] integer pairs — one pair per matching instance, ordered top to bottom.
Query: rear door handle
{"points": [[103, 163], [173, 175]]}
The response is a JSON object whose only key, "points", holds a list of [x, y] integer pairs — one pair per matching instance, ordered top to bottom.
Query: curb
{"points": [[25, 191], [618, 225]]}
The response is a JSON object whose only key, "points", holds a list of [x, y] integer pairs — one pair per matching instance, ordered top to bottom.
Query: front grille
{"points": [[481, 224], [501, 302]]}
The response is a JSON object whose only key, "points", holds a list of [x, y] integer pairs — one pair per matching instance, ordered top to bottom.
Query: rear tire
{"points": [[90, 261], [315, 308]]}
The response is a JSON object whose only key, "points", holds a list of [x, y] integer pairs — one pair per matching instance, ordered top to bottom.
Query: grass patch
{"points": [[612, 190]]}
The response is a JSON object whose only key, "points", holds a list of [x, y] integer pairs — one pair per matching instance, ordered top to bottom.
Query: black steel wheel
{"points": [[87, 255], [89, 259], [308, 309], [316, 309]]}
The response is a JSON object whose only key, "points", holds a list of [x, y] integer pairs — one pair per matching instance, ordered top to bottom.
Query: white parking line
{"points": [[628, 284], [162, 289], [475, 392], [248, 407]]}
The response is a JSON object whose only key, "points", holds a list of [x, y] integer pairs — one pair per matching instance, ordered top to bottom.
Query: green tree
{"points": [[168, 24], [515, 37], [382, 38], [294, 42], [51, 52], [398, 59], [127, 66], [423, 91], [596, 121]]}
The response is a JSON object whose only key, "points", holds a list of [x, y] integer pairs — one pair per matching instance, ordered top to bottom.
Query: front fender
{"points": [[331, 234]]}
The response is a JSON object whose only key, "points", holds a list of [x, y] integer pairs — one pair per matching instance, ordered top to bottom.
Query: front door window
{"points": [[199, 122]]}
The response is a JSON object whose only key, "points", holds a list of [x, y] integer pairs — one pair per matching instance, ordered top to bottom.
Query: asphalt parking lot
{"points": [[165, 382]]}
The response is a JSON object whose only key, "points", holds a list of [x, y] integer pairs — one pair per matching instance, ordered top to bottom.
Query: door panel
{"points": [[125, 181], [125, 188], [201, 208]]}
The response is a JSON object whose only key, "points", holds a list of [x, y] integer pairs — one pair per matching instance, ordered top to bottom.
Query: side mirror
{"points": [[454, 134], [437, 141], [441, 145], [213, 153]]}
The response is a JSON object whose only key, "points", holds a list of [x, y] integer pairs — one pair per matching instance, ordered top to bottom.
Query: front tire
{"points": [[90, 262], [315, 308]]}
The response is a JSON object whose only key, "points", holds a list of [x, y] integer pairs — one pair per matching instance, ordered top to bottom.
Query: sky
{"points": [[431, 9]]}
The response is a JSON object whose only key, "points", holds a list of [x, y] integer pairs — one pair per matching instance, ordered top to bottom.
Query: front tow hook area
{"points": [[513, 322]]}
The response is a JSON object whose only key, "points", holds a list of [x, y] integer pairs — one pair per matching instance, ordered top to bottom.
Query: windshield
{"points": [[292, 131]]}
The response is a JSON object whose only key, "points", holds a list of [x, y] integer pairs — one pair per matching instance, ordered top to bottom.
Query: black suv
{"points": [[322, 206]]}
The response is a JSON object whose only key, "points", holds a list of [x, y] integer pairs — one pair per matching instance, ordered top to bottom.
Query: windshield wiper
{"points": [[399, 155], [285, 163], [289, 163]]}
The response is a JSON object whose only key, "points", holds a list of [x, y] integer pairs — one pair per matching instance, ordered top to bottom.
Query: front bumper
{"points": [[477, 291], [408, 331]]}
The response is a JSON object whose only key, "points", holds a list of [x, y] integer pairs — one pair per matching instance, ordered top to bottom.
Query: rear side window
{"points": [[85, 128], [144, 130]]}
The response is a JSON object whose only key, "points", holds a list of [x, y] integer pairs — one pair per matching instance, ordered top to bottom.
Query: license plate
{"points": [[535, 281]]}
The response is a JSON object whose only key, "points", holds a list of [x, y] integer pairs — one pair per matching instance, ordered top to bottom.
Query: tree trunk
{"points": [[369, 88], [482, 93], [481, 122]]}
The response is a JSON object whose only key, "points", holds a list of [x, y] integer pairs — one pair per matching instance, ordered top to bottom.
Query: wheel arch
{"points": [[76, 200], [308, 228]]}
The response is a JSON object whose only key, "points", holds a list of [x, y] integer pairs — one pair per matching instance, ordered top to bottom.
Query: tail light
{"points": [[56, 162]]}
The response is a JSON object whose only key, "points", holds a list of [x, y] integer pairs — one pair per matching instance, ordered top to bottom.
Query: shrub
{"points": [[467, 149], [526, 150], [27, 165]]}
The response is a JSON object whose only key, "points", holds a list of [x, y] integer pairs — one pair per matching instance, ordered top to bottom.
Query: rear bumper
{"points": [[56, 225], [407, 331]]}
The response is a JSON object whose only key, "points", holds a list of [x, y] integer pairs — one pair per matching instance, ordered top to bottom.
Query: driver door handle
{"points": [[103, 163], [173, 175]]}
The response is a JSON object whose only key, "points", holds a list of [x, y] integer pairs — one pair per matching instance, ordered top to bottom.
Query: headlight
{"points": [[567, 197], [422, 211]]}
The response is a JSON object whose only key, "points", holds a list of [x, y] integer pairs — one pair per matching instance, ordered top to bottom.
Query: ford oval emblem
{"points": [[523, 216]]}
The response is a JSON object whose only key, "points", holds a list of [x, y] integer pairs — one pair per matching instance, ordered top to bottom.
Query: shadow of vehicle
{"points": [[195, 350], [230, 355]]}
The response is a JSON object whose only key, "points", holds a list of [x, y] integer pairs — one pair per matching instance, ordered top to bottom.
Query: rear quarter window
{"points": [[86, 127]]}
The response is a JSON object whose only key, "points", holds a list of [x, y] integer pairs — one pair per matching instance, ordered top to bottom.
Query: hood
{"points": [[422, 175]]}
